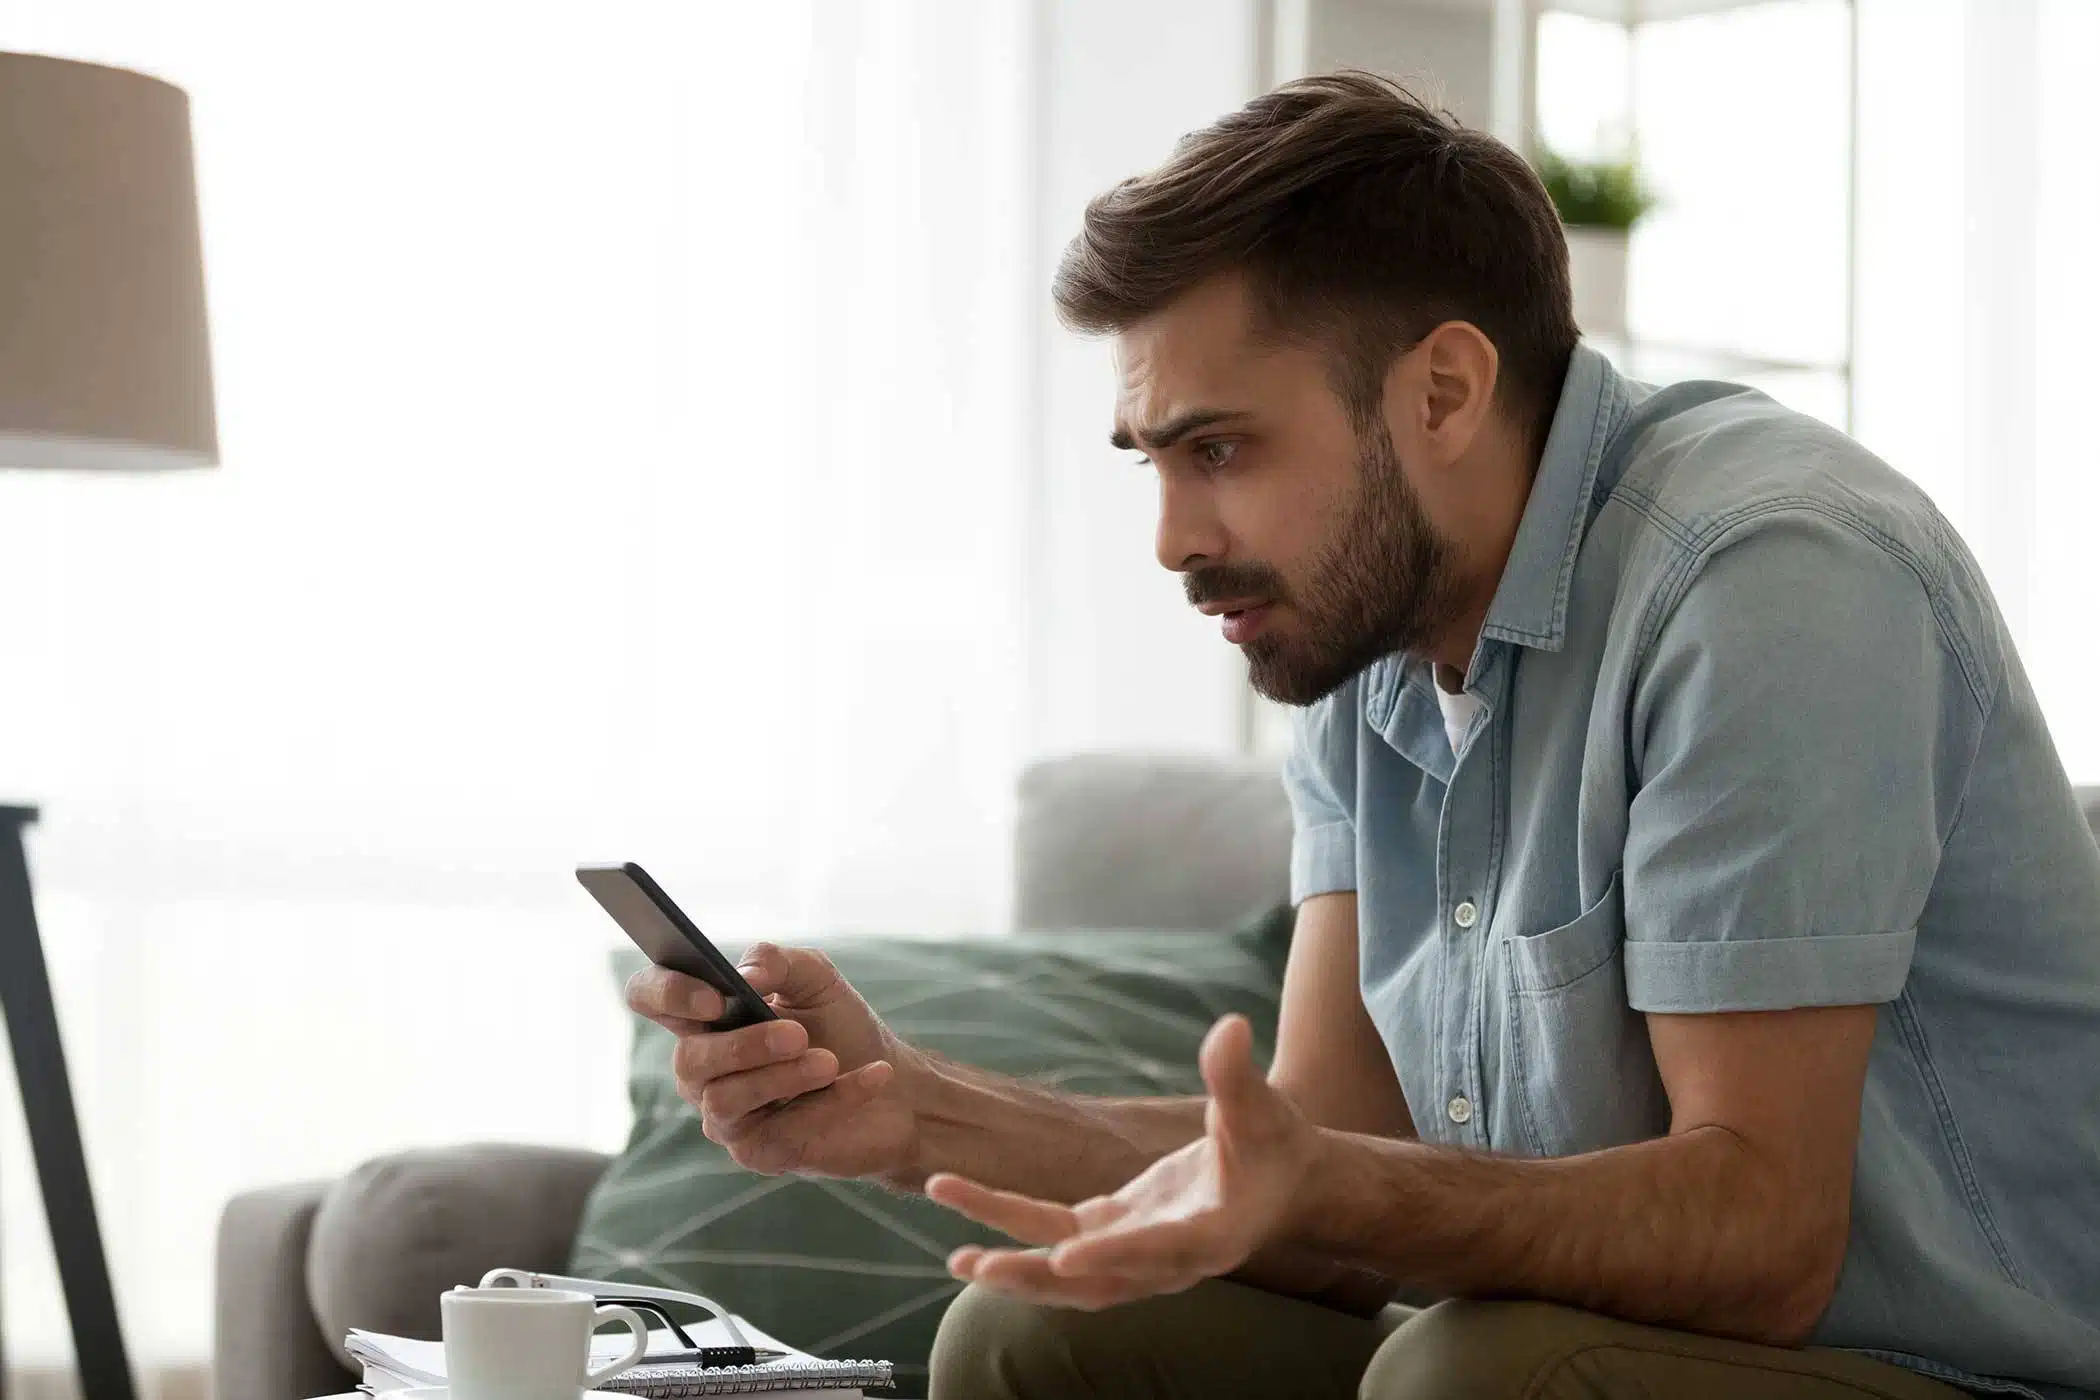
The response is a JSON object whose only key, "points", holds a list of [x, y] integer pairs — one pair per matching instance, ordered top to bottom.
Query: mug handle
{"points": [[635, 1353]]}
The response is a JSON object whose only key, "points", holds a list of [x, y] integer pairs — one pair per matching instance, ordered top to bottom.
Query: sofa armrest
{"points": [[399, 1230], [266, 1345]]}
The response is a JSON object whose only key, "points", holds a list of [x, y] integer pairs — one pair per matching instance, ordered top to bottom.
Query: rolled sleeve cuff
{"points": [[1323, 860], [1768, 974]]}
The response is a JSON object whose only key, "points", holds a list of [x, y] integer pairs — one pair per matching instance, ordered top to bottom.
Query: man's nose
{"points": [[1189, 533]]}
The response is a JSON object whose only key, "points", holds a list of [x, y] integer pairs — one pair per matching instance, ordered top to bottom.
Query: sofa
{"points": [[1102, 843]]}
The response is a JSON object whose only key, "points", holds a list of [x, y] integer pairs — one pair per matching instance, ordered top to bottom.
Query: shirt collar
{"points": [[1530, 606]]}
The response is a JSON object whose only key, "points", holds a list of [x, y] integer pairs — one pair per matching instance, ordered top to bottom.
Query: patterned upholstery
{"points": [[846, 1269]]}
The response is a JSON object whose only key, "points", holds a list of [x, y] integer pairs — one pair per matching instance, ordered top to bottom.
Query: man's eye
{"points": [[1215, 454]]}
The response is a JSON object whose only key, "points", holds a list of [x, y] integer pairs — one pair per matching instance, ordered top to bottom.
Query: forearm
{"points": [[1018, 1135], [1021, 1136], [1691, 1231]]}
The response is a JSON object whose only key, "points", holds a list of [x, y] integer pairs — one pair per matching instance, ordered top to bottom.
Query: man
{"points": [[1696, 981]]}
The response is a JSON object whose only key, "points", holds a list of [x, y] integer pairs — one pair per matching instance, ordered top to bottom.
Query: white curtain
{"points": [[1979, 306], [619, 406]]}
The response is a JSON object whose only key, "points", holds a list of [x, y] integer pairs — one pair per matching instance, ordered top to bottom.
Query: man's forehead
{"points": [[1213, 319], [1200, 346]]}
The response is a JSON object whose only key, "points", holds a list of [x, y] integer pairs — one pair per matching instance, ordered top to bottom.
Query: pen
{"points": [[710, 1357]]}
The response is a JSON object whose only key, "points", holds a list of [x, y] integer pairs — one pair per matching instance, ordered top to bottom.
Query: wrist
{"points": [[917, 1086], [1365, 1198], [1309, 1219]]}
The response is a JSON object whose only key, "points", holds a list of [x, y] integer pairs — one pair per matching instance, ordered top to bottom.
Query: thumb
{"points": [[802, 977], [1242, 1103]]}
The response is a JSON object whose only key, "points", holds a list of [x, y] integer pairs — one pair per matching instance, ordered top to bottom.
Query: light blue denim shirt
{"points": [[1754, 736]]}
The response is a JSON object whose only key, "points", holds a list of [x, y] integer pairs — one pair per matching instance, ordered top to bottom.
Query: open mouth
{"points": [[1240, 625]]}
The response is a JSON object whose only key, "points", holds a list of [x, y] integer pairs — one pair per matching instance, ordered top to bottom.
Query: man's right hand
{"points": [[817, 1091]]}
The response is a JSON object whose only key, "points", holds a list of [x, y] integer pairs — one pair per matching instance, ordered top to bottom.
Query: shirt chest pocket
{"points": [[1580, 1070]]}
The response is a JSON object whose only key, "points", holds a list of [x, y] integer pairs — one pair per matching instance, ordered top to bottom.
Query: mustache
{"points": [[1228, 581]]}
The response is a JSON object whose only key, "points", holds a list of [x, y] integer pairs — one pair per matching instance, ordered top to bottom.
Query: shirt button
{"points": [[1464, 916], [1459, 1110]]}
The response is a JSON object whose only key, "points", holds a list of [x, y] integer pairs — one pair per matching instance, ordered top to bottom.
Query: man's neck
{"points": [[1506, 472]]}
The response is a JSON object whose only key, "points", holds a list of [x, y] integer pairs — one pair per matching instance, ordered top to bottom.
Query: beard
{"points": [[1385, 581]]}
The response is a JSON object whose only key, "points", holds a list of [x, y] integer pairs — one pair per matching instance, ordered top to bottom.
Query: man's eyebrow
{"points": [[1173, 430]]}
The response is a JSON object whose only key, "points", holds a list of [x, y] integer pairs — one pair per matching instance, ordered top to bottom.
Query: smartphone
{"points": [[660, 929]]}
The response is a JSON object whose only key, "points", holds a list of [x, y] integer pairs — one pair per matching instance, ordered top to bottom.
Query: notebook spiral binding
{"points": [[686, 1382]]}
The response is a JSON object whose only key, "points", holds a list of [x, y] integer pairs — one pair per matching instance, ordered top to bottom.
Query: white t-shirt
{"points": [[1459, 709]]}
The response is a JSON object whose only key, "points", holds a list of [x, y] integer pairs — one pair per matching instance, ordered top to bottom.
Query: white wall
{"points": [[1444, 54], [1117, 658]]}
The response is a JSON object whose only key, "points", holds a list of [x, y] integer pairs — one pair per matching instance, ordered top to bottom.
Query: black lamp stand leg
{"points": [[54, 1132]]}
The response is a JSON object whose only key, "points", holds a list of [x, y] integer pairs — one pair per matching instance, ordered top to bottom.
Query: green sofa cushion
{"points": [[847, 1268]]}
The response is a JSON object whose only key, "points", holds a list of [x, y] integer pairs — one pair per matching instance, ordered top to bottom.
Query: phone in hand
{"points": [[661, 930]]}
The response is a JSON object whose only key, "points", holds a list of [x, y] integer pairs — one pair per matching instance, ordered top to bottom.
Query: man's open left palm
{"points": [[1196, 1213]]}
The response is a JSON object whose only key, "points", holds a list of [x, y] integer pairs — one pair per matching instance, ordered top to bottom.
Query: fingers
{"points": [[798, 976], [673, 1000], [679, 1003], [699, 1060], [1227, 1060], [733, 1096], [1248, 1106], [782, 1139], [1099, 1213], [1023, 1217], [1169, 1247], [1096, 1270], [1026, 1274]]}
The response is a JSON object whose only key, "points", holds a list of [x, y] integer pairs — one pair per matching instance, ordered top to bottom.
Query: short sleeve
{"points": [[1800, 732], [1320, 775]]}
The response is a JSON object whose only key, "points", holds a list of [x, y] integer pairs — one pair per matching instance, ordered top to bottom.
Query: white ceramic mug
{"points": [[528, 1343]]}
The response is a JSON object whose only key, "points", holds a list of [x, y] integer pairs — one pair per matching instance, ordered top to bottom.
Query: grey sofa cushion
{"points": [[2089, 798], [1110, 841], [400, 1230]]}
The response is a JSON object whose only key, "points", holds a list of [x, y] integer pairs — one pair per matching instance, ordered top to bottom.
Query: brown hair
{"points": [[1362, 217]]}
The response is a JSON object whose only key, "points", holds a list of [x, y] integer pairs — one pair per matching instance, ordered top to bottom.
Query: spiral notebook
{"points": [[790, 1377]]}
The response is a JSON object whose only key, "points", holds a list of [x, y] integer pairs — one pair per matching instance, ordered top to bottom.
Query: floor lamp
{"points": [[104, 366]]}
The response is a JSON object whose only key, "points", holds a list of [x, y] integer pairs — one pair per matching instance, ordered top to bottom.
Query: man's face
{"points": [[1284, 519]]}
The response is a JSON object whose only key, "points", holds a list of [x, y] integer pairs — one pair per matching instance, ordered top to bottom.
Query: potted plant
{"points": [[1599, 202]]}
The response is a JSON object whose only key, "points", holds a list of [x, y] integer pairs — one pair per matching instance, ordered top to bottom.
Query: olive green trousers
{"points": [[1221, 1340]]}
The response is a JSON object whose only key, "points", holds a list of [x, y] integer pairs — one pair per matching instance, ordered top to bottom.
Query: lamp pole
{"points": [[54, 1129]]}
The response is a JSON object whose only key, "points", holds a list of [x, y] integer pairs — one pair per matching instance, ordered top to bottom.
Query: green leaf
{"points": [[1595, 194]]}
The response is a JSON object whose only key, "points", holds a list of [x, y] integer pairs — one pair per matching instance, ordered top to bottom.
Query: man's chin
{"points": [[1287, 678]]}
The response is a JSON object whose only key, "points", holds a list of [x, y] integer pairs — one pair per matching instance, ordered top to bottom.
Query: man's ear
{"points": [[1439, 394]]}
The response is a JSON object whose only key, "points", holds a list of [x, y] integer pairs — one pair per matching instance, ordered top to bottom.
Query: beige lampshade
{"points": [[104, 357]]}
